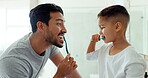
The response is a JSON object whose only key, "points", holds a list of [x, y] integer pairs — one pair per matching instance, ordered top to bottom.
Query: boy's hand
{"points": [[95, 38]]}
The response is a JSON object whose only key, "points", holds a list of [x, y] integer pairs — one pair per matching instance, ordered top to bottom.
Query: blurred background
{"points": [[81, 23]]}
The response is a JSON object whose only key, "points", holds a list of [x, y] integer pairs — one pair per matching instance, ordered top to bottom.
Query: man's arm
{"points": [[57, 59]]}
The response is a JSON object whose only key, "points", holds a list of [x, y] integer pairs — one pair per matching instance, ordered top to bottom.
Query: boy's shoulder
{"points": [[131, 53]]}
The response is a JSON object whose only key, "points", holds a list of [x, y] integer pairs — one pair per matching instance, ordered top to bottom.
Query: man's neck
{"points": [[38, 44]]}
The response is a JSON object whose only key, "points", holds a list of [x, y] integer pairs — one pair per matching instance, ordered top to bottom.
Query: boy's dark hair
{"points": [[116, 11], [42, 13]]}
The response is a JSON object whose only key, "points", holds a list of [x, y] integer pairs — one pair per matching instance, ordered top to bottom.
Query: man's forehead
{"points": [[57, 16], [60, 19]]}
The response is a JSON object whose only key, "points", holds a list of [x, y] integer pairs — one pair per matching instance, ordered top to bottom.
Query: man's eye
{"points": [[59, 24]]}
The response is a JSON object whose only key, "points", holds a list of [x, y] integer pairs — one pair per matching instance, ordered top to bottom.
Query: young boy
{"points": [[118, 59]]}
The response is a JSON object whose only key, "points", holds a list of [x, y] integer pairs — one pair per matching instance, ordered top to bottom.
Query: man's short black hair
{"points": [[42, 13]]}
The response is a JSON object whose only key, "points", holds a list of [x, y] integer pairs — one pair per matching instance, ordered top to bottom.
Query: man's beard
{"points": [[53, 40], [56, 44]]}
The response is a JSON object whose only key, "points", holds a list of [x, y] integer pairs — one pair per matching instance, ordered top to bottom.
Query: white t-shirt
{"points": [[21, 61], [125, 64]]}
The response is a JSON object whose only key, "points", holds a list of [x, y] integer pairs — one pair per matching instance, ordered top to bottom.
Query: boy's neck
{"points": [[118, 47]]}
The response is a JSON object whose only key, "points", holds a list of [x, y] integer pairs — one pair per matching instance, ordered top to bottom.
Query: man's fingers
{"points": [[67, 58], [71, 59], [70, 62], [73, 63], [75, 66]]}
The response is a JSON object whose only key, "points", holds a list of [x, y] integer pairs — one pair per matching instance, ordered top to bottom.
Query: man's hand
{"points": [[66, 67]]}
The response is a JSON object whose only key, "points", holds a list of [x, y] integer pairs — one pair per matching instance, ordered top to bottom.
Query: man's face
{"points": [[55, 30]]}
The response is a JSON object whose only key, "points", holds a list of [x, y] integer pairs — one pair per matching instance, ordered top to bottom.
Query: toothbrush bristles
{"points": [[101, 38]]}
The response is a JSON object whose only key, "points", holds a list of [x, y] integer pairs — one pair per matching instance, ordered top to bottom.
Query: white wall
{"points": [[138, 2], [14, 3], [78, 3], [14, 20], [81, 23], [139, 25]]}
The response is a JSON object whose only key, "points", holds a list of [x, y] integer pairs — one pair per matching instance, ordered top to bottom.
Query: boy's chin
{"points": [[106, 41]]}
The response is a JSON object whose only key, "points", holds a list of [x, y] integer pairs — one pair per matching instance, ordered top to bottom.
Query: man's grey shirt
{"points": [[21, 61]]}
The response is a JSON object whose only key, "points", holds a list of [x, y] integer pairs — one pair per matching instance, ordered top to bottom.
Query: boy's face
{"points": [[55, 30], [107, 30]]}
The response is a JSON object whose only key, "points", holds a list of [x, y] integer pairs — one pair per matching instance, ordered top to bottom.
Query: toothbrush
{"points": [[102, 38], [66, 45]]}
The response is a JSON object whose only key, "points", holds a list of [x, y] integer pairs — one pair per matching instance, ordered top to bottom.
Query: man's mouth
{"points": [[61, 35], [61, 39]]}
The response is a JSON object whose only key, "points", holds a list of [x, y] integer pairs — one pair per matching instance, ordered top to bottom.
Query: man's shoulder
{"points": [[22, 42], [18, 46], [10, 61], [12, 65]]}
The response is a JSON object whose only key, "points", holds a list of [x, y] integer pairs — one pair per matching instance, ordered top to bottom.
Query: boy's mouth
{"points": [[103, 37]]}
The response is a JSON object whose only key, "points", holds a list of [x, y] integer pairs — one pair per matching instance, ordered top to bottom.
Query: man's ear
{"points": [[40, 26], [118, 26]]}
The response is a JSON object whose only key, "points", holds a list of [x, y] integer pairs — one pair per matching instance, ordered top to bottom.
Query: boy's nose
{"points": [[100, 32]]}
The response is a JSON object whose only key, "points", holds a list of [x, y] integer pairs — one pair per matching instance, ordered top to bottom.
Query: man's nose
{"points": [[64, 29]]}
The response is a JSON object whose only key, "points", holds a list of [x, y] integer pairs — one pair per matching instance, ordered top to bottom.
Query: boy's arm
{"points": [[92, 44], [91, 47], [57, 59], [135, 71]]}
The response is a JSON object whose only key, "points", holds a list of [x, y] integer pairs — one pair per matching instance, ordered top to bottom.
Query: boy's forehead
{"points": [[104, 19], [101, 20]]}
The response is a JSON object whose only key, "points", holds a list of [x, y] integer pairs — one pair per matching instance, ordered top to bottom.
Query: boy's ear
{"points": [[40, 26], [118, 26]]}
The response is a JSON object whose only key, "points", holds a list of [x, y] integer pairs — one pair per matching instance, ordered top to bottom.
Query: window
{"points": [[14, 24]]}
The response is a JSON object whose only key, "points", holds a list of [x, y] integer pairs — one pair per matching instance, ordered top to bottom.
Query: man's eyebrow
{"points": [[60, 20]]}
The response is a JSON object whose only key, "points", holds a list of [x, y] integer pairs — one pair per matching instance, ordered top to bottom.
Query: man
{"points": [[26, 57]]}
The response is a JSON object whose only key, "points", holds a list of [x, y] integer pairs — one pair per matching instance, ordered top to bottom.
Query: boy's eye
{"points": [[102, 27]]}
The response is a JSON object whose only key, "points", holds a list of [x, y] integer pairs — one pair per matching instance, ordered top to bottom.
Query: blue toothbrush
{"points": [[102, 38], [66, 45]]}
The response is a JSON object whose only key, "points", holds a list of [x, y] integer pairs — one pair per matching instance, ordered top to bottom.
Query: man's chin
{"points": [[59, 45]]}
